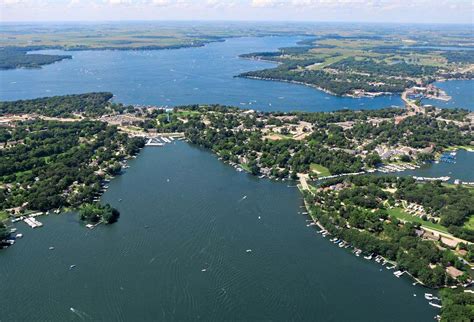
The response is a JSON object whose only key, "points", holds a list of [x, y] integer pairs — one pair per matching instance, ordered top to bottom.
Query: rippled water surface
{"points": [[177, 77], [461, 92], [183, 211]]}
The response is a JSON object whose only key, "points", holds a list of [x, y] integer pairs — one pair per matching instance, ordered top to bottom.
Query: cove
{"points": [[180, 77], [461, 92], [183, 211]]}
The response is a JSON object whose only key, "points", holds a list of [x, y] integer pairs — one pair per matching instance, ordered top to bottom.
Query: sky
{"points": [[397, 11]]}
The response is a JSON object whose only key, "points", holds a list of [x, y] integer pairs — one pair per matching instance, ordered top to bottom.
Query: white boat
{"points": [[435, 305]]}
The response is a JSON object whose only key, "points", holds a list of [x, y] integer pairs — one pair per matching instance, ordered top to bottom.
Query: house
{"points": [[449, 242], [454, 272]]}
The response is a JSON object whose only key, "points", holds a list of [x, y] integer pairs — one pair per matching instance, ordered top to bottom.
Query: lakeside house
{"points": [[454, 272]]}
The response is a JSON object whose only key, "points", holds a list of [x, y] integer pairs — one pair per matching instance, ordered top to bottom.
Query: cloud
{"points": [[11, 2], [118, 2], [161, 3], [265, 3], [220, 4]]}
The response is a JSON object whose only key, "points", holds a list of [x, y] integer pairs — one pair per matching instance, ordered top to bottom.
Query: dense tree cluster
{"points": [[16, 57], [373, 67], [341, 83], [89, 104], [415, 131], [237, 136], [282, 157], [56, 164], [453, 205], [94, 213], [358, 214], [457, 305]]}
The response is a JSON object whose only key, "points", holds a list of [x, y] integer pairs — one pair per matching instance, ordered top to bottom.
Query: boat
{"points": [[19, 236], [51, 248], [248, 251], [72, 266], [428, 296], [435, 305]]}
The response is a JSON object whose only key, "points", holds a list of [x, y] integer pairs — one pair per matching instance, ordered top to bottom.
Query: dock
{"points": [[159, 140], [32, 222]]}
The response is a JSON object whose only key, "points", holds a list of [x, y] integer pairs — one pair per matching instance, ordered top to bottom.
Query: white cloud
{"points": [[11, 2], [118, 2], [161, 3], [265, 3], [220, 4]]}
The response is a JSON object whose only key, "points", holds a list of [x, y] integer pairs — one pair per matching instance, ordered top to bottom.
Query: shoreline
{"points": [[377, 94]]}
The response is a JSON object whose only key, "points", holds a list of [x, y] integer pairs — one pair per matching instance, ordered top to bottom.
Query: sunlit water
{"points": [[177, 77], [461, 92]]}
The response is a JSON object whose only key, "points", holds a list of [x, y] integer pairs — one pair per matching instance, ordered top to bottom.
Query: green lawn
{"points": [[185, 113], [245, 167], [321, 170], [3, 215], [402, 215], [470, 223]]}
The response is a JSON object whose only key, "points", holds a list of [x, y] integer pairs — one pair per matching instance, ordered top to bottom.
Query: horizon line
{"points": [[239, 21]]}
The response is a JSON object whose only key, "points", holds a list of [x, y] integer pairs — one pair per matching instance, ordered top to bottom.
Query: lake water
{"points": [[178, 77], [461, 91], [463, 169], [184, 211]]}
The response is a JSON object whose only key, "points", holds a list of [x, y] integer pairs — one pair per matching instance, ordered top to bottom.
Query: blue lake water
{"points": [[177, 77], [461, 91], [463, 169], [179, 253]]}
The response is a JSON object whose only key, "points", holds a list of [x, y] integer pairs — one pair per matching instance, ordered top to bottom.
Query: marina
{"points": [[159, 141]]}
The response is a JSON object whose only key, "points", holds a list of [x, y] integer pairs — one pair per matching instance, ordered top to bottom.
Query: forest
{"points": [[16, 57], [338, 84], [89, 104], [59, 164], [95, 213], [357, 213]]}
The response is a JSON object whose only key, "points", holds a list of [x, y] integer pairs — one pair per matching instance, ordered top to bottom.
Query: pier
{"points": [[161, 140], [443, 179], [32, 222]]}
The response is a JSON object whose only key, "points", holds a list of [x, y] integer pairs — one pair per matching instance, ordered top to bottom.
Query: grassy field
{"points": [[186, 113], [320, 170], [402, 215], [3, 216], [470, 223]]}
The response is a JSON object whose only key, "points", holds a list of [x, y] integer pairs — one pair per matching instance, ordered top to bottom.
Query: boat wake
{"points": [[243, 198], [82, 315]]}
